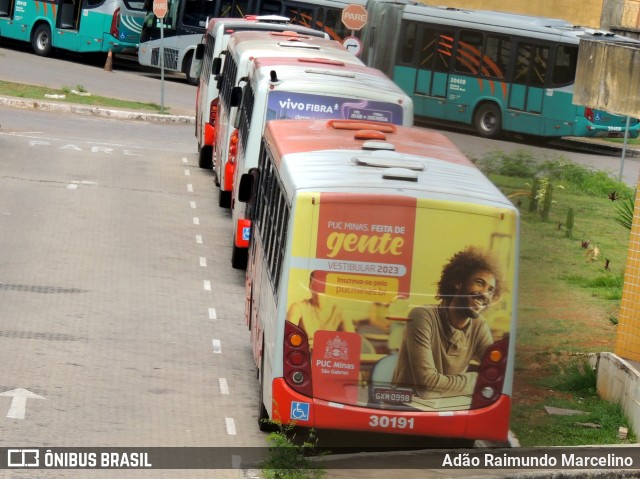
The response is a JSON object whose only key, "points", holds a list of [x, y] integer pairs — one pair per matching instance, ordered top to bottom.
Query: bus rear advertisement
{"points": [[381, 283]]}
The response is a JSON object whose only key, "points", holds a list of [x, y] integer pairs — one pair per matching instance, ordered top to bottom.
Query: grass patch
{"points": [[33, 92], [569, 294], [598, 425]]}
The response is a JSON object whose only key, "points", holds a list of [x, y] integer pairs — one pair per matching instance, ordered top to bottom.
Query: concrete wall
{"points": [[608, 77], [619, 383]]}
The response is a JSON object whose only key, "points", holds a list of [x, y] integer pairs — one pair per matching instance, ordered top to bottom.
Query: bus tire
{"points": [[41, 40], [187, 69], [487, 120], [204, 157], [224, 199], [239, 257], [264, 424]]}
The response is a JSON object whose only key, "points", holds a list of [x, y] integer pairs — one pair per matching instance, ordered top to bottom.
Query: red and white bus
{"points": [[243, 47], [208, 64], [304, 88], [356, 225]]}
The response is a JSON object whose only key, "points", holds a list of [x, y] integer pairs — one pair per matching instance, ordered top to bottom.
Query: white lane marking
{"points": [[184, 160], [187, 172], [72, 187], [190, 188], [193, 204], [196, 221], [199, 239], [203, 261], [207, 285], [212, 313], [217, 346], [224, 386], [231, 426]]}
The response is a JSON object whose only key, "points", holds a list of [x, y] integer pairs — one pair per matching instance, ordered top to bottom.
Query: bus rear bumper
{"points": [[490, 423]]}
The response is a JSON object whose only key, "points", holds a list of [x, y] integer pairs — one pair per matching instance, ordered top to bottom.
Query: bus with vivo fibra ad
{"points": [[304, 88], [381, 282]]}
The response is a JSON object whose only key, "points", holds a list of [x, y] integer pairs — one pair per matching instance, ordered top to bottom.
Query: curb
{"points": [[94, 111]]}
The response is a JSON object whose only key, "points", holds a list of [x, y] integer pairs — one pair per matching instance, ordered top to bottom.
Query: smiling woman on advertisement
{"points": [[440, 340]]}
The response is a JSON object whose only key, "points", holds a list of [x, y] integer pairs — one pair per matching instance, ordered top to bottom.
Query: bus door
{"points": [[69, 15], [432, 77], [527, 93]]}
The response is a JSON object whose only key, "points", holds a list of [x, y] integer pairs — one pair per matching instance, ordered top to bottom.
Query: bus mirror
{"points": [[200, 51], [196, 64], [217, 66], [236, 95], [245, 189]]}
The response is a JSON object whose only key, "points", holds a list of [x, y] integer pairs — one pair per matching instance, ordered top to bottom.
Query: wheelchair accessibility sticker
{"points": [[300, 411]]}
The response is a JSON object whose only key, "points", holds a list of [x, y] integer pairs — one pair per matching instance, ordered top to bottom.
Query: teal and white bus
{"points": [[132, 15], [186, 22], [82, 26], [495, 71]]}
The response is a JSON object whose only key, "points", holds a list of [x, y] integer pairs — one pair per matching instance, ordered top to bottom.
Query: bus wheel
{"points": [[41, 40], [187, 69], [488, 120], [204, 159], [224, 199], [239, 257], [264, 424]]}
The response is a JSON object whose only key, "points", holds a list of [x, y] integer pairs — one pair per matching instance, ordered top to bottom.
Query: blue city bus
{"points": [[83, 26], [497, 72]]}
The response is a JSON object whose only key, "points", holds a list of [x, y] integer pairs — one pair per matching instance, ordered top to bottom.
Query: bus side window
{"points": [[408, 43], [469, 53], [540, 66], [564, 68]]}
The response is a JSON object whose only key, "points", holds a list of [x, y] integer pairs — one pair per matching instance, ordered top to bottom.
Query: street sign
{"points": [[160, 8], [354, 17], [352, 44]]}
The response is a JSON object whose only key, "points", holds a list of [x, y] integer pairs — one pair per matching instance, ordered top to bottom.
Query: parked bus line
{"points": [[242, 48], [208, 65], [304, 88]]}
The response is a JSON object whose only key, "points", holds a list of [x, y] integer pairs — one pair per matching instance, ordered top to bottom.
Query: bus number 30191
{"points": [[390, 422]]}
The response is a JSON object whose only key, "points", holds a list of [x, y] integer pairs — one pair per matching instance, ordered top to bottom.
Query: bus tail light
{"points": [[115, 22], [213, 112], [588, 114], [230, 167], [243, 233], [297, 359], [491, 375]]}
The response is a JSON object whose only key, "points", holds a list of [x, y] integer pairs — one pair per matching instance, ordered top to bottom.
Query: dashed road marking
{"points": [[187, 172], [190, 188], [193, 204], [196, 221], [199, 239], [203, 261], [207, 285], [212, 313], [217, 346], [224, 386], [231, 426]]}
